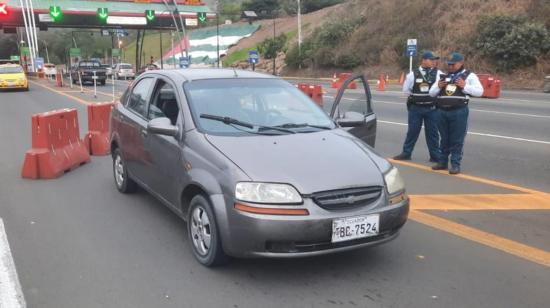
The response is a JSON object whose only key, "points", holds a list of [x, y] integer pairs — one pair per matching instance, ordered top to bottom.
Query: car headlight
{"points": [[394, 181], [267, 193]]}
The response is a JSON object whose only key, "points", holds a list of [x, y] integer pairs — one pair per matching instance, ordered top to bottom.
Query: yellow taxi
{"points": [[12, 76]]}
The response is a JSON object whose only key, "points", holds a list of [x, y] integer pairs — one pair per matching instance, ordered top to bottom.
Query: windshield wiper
{"points": [[232, 121], [299, 125]]}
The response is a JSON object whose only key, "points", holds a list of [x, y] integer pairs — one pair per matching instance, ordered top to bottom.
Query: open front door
{"points": [[352, 109]]}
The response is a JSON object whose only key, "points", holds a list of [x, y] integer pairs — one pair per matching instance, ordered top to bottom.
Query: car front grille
{"points": [[347, 198]]}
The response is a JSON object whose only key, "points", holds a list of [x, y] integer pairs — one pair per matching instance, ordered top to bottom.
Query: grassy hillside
{"points": [[151, 47]]}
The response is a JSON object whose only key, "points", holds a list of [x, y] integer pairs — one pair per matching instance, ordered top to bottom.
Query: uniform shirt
{"points": [[409, 80], [472, 87]]}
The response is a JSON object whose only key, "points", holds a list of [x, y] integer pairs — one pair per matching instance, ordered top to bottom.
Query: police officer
{"points": [[452, 93], [421, 107]]}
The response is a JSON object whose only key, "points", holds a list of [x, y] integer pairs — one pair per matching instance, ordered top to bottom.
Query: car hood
{"points": [[311, 162]]}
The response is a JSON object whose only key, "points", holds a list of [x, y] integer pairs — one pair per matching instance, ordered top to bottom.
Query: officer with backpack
{"points": [[421, 107]]}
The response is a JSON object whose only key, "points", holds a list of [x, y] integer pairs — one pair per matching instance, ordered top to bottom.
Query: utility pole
{"points": [[218, 32], [161, 54], [275, 55]]}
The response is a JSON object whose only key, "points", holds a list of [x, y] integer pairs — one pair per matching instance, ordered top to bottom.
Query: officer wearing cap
{"points": [[452, 93], [421, 107]]}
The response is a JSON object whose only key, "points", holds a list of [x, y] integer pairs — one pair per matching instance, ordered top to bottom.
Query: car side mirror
{"points": [[351, 119], [162, 126]]}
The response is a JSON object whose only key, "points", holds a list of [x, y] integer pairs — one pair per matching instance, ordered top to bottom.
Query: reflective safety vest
{"points": [[421, 87], [452, 96]]}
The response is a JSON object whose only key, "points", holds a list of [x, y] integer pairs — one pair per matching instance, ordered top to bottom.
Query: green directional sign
{"points": [[56, 13], [103, 13], [150, 15], [201, 16], [26, 51], [74, 52], [14, 58]]}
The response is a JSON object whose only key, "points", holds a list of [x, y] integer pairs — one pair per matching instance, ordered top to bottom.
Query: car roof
{"points": [[10, 65], [191, 74]]}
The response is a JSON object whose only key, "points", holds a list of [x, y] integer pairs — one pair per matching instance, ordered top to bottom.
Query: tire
{"points": [[123, 182], [203, 233]]}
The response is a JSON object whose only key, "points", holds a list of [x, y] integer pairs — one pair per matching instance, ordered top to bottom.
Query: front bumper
{"points": [[14, 85], [255, 235]]}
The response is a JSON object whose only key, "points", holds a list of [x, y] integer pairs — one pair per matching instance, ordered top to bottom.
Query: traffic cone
{"points": [[402, 78], [381, 82], [335, 83]]}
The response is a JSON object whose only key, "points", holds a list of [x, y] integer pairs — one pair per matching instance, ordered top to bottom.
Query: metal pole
{"points": [[299, 28], [34, 29], [28, 32], [218, 32], [173, 53], [47, 54], [161, 54], [274, 56], [410, 64], [95, 84]]}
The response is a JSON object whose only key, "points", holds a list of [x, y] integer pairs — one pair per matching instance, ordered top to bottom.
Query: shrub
{"points": [[511, 42], [270, 47], [324, 57], [347, 61]]}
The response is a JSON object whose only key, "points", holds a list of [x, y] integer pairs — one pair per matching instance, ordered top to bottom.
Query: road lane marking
{"points": [[62, 93], [512, 113], [482, 134], [470, 178], [481, 202], [529, 253], [10, 289]]}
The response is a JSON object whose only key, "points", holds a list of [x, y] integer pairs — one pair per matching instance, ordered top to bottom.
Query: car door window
{"points": [[140, 96], [355, 96], [164, 103]]}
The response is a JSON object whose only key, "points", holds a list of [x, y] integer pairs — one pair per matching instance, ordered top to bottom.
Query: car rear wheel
{"points": [[123, 182], [203, 233]]}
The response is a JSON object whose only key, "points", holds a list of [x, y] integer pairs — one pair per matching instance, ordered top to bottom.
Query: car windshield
{"points": [[89, 64], [126, 66], [11, 70], [260, 102]]}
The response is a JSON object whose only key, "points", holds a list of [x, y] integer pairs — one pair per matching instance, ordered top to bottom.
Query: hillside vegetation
{"points": [[509, 38]]}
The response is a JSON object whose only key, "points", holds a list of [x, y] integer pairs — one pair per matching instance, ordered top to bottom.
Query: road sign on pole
{"points": [[201, 16], [411, 51], [253, 58], [184, 62]]}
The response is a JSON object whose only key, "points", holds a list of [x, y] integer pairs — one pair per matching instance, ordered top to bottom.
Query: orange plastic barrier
{"points": [[402, 78], [381, 82], [491, 85], [315, 92], [97, 138], [56, 145]]}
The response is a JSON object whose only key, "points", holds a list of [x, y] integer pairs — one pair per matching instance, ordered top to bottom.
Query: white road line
{"points": [[471, 109], [512, 113], [481, 134], [11, 295]]}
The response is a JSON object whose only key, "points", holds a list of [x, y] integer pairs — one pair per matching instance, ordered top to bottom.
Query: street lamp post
{"points": [[275, 55]]}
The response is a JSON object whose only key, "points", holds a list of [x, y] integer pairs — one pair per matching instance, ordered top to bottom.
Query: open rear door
{"points": [[352, 109]]}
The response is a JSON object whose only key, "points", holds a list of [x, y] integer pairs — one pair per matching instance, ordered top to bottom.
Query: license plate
{"points": [[11, 84], [351, 228]]}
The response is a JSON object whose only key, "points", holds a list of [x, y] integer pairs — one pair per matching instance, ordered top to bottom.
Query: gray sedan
{"points": [[254, 166]]}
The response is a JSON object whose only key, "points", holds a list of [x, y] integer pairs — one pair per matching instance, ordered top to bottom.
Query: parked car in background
{"points": [[108, 69], [50, 70], [86, 70], [124, 70], [12, 76], [254, 166]]}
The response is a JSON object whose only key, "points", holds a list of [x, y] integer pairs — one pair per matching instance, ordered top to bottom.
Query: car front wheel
{"points": [[123, 182], [203, 233]]}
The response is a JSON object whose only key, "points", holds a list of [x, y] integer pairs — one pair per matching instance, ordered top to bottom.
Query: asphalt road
{"points": [[77, 242]]}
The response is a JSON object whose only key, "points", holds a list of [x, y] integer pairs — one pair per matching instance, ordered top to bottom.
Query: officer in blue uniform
{"points": [[452, 93], [421, 107]]}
